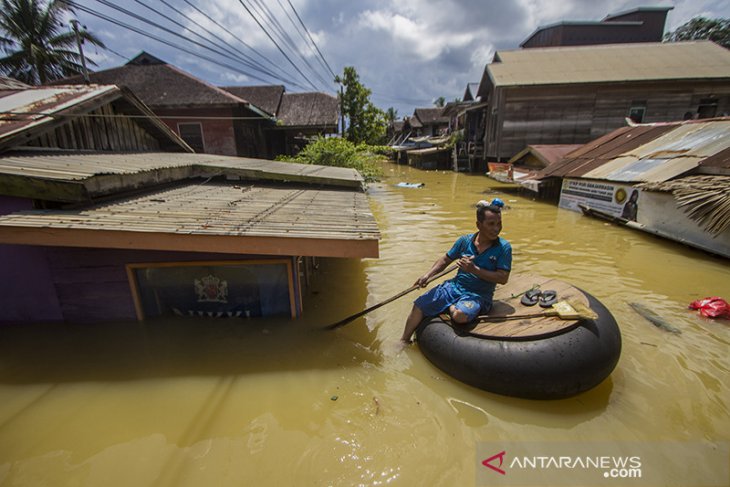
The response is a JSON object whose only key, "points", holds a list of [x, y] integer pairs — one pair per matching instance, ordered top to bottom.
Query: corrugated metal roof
{"points": [[610, 63], [30, 107], [29, 112], [547, 153], [646, 153], [82, 166], [75, 177], [212, 217]]}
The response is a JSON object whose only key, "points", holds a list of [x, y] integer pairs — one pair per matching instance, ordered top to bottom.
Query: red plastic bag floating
{"points": [[713, 307]]}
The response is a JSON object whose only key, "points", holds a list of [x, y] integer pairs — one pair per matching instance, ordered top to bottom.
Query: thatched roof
{"points": [[266, 97], [308, 110], [706, 199]]}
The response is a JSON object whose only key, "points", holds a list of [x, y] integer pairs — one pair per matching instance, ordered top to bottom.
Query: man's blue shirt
{"points": [[496, 257]]}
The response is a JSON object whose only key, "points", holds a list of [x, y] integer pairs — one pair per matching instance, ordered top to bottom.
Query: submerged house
{"points": [[574, 94], [299, 116], [207, 118], [466, 120], [430, 121], [671, 180], [107, 214]]}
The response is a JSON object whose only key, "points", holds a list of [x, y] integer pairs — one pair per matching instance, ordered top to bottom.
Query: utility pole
{"points": [[75, 24], [342, 109]]}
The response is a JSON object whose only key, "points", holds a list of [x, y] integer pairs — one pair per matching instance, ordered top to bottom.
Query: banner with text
{"points": [[618, 200]]}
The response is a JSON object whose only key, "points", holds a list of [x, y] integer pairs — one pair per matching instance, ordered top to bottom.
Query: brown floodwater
{"points": [[278, 402]]}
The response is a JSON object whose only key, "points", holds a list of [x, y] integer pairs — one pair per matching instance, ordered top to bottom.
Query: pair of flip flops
{"points": [[534, 296]]}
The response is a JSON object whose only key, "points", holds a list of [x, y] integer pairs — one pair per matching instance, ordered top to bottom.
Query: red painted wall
{"points": [[218, 135]]}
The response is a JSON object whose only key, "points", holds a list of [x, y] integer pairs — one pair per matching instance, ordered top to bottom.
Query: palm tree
{"points": [[38, 49], [391, 114]]}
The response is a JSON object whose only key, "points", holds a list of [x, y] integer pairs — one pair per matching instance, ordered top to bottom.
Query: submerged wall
{"points": [[658, 212], [93, 285], [26, 288]]}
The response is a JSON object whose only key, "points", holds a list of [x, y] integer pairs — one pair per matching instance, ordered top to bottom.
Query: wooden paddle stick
{"points": [[389, 300], [561, 309]]}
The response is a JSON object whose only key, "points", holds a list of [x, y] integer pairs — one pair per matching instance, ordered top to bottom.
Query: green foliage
{"points": [[716, 30], [39, 47], [439, 102], [367, 123], [455, 138], [335, 151]]}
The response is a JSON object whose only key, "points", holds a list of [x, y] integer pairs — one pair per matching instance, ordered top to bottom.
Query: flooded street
{"points": [[276, 402]]}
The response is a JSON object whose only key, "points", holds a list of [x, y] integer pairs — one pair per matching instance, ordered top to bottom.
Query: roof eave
{"points": [[162, 241]]}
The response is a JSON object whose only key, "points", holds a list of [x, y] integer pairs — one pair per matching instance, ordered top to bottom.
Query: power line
{"points": [[266, 13], [165, 29], [146, 34], [304, 38], [311, 39], [163, 41], [277, 45], [233, 53], [266, 59], [283, 76]]}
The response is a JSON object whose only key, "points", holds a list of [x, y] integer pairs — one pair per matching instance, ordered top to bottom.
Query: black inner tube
{"points": [[552, 367]]}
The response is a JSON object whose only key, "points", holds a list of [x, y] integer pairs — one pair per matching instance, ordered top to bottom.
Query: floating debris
{"points": [[654, 318]]}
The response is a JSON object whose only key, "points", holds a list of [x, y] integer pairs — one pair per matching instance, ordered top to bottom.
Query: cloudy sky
{"points": [[408, 52]]}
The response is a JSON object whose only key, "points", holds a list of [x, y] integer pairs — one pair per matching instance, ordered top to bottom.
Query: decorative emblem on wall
{"points": [[211, 289]]}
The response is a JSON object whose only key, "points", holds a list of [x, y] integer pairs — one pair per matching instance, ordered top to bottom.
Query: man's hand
{"points": [[466, 264], [422, 281]]}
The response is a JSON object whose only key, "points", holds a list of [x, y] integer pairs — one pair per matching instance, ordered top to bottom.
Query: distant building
{"points": [[643, 24], [570, 95], [299, 116], [209, 119], [429, 121], [668, 179]]}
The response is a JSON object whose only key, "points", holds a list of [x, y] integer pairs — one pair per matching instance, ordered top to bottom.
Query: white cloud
{"points": [[416, 35], [235, 78]]}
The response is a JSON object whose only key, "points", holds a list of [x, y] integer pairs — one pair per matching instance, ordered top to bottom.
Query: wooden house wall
{"points": [[521, 116], [107, 131], [249, 135], [79, 284], [26, 289]]}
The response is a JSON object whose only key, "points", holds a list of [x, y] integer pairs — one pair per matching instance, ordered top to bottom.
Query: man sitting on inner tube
{"points": [[484, 260]]}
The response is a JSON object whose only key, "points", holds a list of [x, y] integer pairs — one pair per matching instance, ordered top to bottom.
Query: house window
{"points": [[707, 108], [637, 111], [192, 134], [230, 289]]}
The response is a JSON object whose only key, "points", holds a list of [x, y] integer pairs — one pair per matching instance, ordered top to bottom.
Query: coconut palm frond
{"points": [[39, 46], [705, 199]]}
